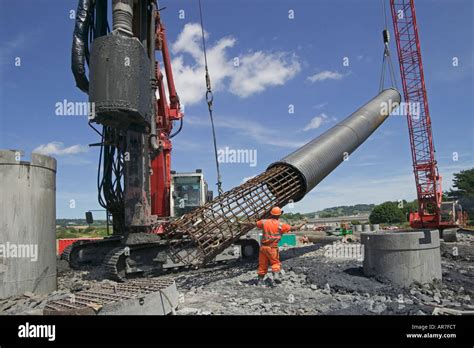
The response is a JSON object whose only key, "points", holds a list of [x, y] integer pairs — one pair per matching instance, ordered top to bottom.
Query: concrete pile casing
{"points": [[27, 224]]}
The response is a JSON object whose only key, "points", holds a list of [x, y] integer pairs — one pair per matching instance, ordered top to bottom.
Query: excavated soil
{"points": [[311, 284]]}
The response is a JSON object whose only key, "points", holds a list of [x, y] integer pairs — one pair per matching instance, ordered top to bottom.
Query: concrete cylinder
{"points": [[27, 224], [375, 227], [358, 228], [366, 228], [449, 235], [403, 257]]}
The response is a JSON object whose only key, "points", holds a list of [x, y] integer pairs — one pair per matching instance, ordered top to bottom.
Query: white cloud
{"points": [[188, 41], [260, 70], [256, 71], [325, 75], [320, 105], [316, 122], [261, 134], [57, 148]]}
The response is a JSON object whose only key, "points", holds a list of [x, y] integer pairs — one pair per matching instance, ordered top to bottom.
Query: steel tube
{"points": [[122, 15], [315, 160]]}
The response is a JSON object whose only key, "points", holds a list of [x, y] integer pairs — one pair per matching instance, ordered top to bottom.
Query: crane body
{"points": [[432, 211]]}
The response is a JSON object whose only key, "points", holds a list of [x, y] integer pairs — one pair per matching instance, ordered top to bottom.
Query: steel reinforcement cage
{"points": [[213, 227]]}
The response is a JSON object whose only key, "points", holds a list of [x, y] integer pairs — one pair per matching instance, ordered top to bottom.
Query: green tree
{"points": [[463, 183], [463, 190], [445, 196], [408, 207], [388, 213], [327, 215], [290, 217]]}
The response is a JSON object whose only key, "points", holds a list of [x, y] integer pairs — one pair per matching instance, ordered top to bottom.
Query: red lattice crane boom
{"points": [[427, 178]]}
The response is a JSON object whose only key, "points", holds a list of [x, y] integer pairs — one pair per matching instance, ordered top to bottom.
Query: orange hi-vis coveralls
{"points": [[272, 231]]}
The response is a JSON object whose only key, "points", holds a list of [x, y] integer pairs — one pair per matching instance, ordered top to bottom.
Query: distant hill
{"points": [[344, 210], [78, 222]]}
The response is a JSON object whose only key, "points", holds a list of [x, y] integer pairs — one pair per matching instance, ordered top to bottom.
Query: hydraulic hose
{"points": [[80, 49]]}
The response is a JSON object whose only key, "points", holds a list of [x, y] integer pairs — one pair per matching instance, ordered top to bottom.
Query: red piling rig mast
{"points": [[427, 178], [160, 179]]}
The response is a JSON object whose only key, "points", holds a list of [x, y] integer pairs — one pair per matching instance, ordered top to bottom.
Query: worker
{"points": [[272, 228]]}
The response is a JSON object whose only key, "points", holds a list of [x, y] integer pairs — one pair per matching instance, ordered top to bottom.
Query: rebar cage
{"points": [[207, 231]]}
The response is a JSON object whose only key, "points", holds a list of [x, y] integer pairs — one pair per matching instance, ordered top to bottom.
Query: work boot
{"points": [[276, 277], [260, 280]]}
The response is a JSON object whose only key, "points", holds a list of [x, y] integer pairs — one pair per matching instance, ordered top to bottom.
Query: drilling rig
{"points": [[127, 90], [137, 111]]}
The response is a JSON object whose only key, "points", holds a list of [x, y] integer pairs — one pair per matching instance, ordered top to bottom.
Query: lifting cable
{"points": [[387, 59], [209, 100]]}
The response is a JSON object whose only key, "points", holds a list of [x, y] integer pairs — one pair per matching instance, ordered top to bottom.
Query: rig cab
{"points": [[188, 192]]}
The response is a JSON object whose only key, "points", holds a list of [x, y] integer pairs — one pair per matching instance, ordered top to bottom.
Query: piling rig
{"points": [[130, 101], [135, 152]]}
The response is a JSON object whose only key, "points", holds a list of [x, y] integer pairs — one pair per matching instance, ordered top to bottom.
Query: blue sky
{"points": [[282, 61]]}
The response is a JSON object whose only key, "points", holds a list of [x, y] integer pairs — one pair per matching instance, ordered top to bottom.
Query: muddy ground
{"points": [[311, 284]]}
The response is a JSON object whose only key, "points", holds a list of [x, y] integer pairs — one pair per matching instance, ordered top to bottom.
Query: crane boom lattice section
{"points": [[418, 115]]}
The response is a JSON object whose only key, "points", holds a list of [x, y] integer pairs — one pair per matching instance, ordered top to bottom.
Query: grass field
{"points": [[89, 232]]}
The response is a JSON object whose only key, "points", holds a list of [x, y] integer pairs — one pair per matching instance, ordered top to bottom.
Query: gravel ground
{"points": [[311, 284]]}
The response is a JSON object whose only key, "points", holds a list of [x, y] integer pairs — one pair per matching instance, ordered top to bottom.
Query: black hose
{"points": [[80, 43], [179, 129], [109, 186]]}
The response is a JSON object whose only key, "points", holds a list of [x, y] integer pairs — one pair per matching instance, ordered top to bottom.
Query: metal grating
{"points": [[84, 302]]}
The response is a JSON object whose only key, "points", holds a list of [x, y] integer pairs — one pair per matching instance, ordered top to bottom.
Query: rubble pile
{"points": [[312, 283], [315, 284]]}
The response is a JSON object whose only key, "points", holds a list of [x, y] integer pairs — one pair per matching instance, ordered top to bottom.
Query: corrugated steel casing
{"points": [[315, 160], [27, 221]]}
